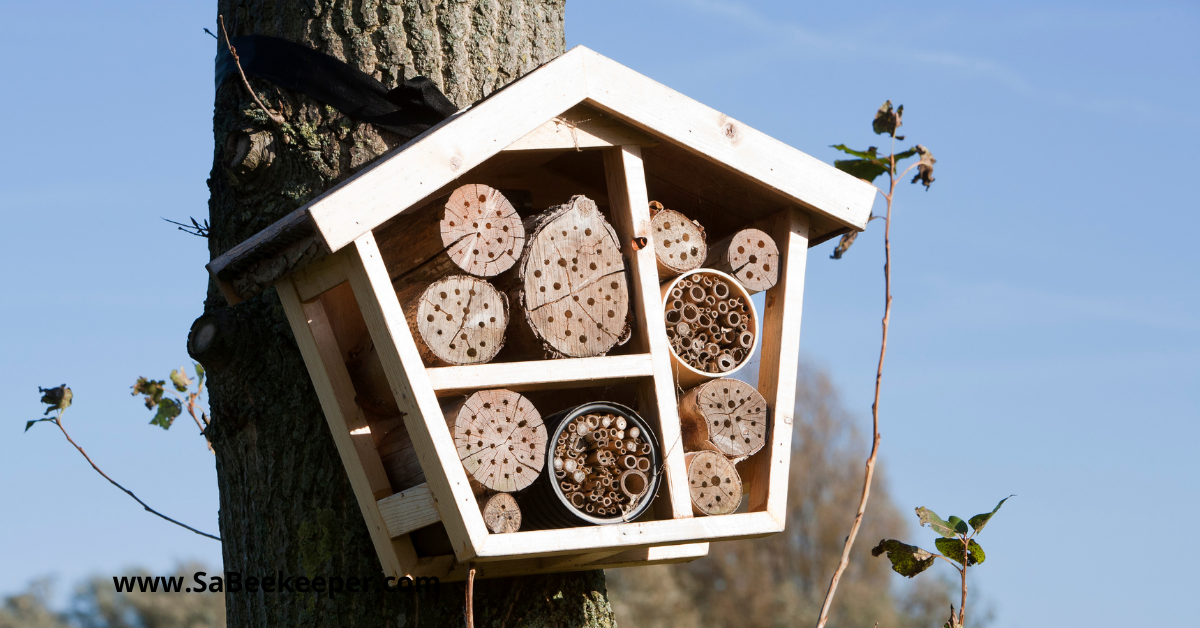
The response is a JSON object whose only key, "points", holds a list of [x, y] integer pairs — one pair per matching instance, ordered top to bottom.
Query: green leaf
{"points": [[887, 120], [870, 153], [925, 167], [865, 169], [199, 376], [180, 379], [153, 389], [57, 398], [168, 409], [29, 424], [930, 518], [978, 521], [959, 525], [953, 549], [907, 560]]}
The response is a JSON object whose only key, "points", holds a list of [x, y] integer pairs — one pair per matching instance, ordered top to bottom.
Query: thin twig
{"points": [[274, 117], [58, 422], [870, 472], [513, 603], [470, 609]]}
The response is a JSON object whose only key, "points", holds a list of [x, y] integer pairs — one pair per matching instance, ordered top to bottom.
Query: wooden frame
{"points": [[541, 113]]}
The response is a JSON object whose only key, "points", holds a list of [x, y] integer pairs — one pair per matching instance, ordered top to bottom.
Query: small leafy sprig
{"points": [[184, 398], [57, 400], [957, 546]]}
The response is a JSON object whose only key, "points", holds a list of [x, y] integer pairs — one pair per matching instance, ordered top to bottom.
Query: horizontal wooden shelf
{"points": [[539, 375], [627, 535]]}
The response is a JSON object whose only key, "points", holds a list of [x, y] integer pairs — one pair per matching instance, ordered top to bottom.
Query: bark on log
{"points": [[475, 230], [678, 242], [750, 256], [571, 285], [456, 320], [725, 415], [500, 438], [713, 482], [285, 501], [501, 513]]}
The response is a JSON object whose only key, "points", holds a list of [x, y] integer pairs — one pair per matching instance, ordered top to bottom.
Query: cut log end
{"points": [[481, 230], [678, 242], [749, 255], [572, 281], [460, 320], [725, 414], [500, 439], [713, 482], [501, 513]]}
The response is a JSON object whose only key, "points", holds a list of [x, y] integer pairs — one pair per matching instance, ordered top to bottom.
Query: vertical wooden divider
{"points": [[630, 210], [336, 394], [415, 397], [767, 472]]}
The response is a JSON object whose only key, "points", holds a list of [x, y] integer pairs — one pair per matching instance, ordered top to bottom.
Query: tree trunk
{"points": [[286, 504]]}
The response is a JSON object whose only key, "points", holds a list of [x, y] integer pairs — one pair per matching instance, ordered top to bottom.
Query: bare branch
{"points": [[274, 117], [58, 422]]}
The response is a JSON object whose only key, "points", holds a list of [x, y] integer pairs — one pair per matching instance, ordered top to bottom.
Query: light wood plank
{"points": [[579, 128], [707, 132], [445, 152], [630, 210], [319, 276], [539, 375], [343, 389], [415, 397], [332, 406], [766, 473], [409, 510], [628, 535], [446, 569]]}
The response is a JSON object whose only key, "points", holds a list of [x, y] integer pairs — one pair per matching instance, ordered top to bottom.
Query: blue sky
{"points": [[1045, 327]]}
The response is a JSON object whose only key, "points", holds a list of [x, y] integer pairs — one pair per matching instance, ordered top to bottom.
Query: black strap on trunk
{"points": [[407, 110]]}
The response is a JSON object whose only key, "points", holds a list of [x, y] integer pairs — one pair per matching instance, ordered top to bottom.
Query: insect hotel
{"points": [[529, 327]]}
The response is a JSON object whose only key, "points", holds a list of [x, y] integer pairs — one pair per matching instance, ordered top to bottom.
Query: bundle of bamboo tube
{"points": [[709, 322], [602, 464]]}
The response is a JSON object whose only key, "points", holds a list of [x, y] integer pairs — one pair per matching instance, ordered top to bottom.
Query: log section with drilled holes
{"points": [[474, 230], [678, 242], [750, 256], [571, 285], [456, 320], [710, 323], [725, 415], [500, 438], [714, 483], [500, 513]]}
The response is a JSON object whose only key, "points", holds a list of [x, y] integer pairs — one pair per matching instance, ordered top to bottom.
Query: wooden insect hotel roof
{"points": [[586, 140]]}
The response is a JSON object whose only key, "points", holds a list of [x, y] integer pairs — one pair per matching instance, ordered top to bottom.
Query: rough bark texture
{"points": [[286, 504]]}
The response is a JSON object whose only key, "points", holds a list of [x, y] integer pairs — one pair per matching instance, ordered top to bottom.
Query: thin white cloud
{"points": [[844, 44]]}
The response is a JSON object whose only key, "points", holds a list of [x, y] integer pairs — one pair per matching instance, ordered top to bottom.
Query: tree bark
{"points": [[286, 504]]}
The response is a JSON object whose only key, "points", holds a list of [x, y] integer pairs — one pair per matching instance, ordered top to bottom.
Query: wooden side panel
{"points": [[728, 142], [420, 168], [631, 218], [319, 276], [329, 377], [415, 397], [766, 472], [409, 510]]}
